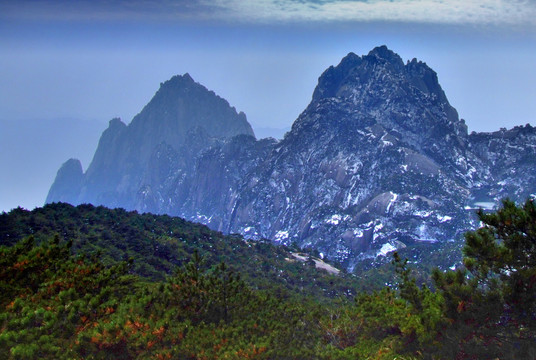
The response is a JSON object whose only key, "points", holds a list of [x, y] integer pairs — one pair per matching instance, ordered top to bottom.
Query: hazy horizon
{"points": [[68, 68]]}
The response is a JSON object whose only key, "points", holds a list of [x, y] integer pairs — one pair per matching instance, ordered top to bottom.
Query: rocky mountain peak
{"points": [[382, 53], [380, 67], [379, 77], [425, 79], [330, 81], [177, 86], [380, 88], [180, 104], [183, 118], [116, 123], [378, 161], [67, 183]]}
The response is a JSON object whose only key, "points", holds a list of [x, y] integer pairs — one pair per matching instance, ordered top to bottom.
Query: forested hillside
{"points": [[157, 244], [76, 289]]}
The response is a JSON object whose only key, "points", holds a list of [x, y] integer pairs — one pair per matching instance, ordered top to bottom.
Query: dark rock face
{"points": [[378, 161]]}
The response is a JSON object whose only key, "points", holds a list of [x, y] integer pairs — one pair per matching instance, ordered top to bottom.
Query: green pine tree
{"points": [[492, 304]]}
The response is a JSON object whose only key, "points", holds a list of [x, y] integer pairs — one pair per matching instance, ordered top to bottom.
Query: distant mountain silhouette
{"points": [[181, 119]]}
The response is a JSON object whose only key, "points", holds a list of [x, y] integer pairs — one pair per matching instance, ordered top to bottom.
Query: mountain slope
{"points": [[371, 157], [378, 161], [159, 244]]}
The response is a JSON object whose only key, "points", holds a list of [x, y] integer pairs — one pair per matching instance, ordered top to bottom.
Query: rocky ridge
{"points": [[378, 161]]}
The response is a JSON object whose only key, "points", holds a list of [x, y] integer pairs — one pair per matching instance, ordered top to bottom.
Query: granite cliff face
{"points": [[378, 161], [371, 165]]}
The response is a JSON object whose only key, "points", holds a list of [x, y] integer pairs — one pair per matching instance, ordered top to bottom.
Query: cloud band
{"points": [[509, 12]]}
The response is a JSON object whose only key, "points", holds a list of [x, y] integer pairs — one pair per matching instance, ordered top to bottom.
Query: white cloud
{"points": [[423, 11], [509, 12]]}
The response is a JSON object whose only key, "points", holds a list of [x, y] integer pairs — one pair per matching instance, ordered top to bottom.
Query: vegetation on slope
{"points": [[158, 244], [59, 303]]}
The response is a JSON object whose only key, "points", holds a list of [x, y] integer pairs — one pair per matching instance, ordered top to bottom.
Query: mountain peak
{"points": [[383, 52], [387, 57], [354, 71], [187, 77], [379, 78], [180, 79], [330, 81], [177, 85], [379, 89], [181, 103], [180, 107], [116, 123], [378, 161], [66, 186]]}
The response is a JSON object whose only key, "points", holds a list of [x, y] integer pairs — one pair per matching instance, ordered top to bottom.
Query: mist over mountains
{"points": [[31, 151], [379, 160]]}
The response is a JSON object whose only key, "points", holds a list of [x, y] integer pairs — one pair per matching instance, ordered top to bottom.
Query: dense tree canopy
{"points": [[59, 302]]}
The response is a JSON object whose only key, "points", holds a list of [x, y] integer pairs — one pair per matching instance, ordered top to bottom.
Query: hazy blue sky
{"points": [[67, 67]]}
